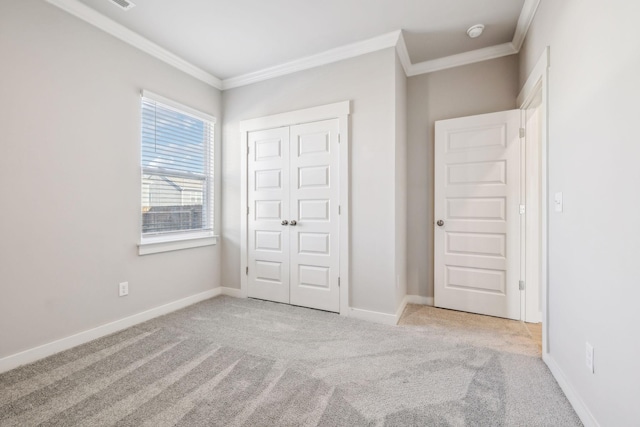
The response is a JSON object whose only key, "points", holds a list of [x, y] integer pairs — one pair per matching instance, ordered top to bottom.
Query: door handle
{"points": [[284, 222], [293, 222], [440, 223]]}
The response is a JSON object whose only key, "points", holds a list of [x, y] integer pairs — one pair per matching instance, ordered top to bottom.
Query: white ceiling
{"points": [[228, 38]]}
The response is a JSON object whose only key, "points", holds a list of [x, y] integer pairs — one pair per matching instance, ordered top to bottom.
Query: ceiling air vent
{"points": [[123, 4]]}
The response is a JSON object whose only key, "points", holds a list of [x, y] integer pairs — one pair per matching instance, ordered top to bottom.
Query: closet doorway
{"points": [[294, 195]]}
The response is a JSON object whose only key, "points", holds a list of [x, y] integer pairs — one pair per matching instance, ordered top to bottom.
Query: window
{"points": [[177, 172]]}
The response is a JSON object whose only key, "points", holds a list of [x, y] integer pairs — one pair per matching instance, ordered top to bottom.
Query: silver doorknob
{"points": [[284, 222], [293, 222], [440, 223]]}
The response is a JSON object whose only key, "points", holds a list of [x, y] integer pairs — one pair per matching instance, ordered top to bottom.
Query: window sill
{"points": [[154, 245]]}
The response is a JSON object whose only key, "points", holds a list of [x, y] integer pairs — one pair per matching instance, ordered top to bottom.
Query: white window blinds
{"points": [[177, 168]]}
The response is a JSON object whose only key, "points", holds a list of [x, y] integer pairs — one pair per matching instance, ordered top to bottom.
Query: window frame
{"points": [[180, 239]]}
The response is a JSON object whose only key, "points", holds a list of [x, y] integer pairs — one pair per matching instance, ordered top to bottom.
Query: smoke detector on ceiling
{"points": [[123, 4], [475, 31]]}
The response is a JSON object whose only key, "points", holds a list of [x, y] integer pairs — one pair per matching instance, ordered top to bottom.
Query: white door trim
{"points": [[538, 81], [340, 111], [531, 225]]}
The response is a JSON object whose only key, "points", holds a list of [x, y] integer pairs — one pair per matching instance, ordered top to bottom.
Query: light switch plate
{"points": [[558, 202]]}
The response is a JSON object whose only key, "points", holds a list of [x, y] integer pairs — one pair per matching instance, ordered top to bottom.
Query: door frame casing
{"points": [[538, 83], [340, 111], [531, 244]]}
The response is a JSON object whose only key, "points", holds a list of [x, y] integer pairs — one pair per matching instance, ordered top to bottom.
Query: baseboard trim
{"points": [[233, 292], [418, 299], [401, 307], [373, 316], [379, 317], [28, 356], [573, 396]]}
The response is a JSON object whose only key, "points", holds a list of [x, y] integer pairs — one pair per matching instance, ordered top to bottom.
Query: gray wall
{"points": [[369, 82], [479, 88], [593, 159], [70, 179], [401, 182]]}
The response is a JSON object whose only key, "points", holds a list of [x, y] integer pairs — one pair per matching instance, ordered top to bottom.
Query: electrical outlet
{"points": [[123, 289], [589, 357]]}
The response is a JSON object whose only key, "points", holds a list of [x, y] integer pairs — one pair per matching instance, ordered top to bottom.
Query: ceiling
{"points": [[230, 38]]}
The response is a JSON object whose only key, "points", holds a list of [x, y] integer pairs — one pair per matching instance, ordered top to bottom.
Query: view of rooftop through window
{"points": [[176, 170]]}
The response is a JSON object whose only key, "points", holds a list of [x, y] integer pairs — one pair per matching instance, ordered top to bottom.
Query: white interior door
{"points": [[477, 201], [268, 202], [293, 220], [314, 220]]}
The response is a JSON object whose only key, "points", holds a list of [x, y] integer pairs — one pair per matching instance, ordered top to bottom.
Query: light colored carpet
{"points": [[535, 330], [484, 331], [235, 362]]}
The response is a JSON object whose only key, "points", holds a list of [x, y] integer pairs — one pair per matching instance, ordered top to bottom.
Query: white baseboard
{"points": [[233, 292], [417, 299], [401, 307], [373, 316], [378, 317], [13, 361], [573, 396]]}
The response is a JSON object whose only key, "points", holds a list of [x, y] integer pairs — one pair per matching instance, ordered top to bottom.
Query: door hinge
{"points": [[522, 133], [338, 138], [247, 151], [247, 210], [339, 210], [522, 210], [246, 271], [338, 282], [521, 285]]}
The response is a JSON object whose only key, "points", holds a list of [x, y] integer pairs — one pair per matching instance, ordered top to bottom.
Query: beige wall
{"points": [[369, 82], [479, 88], [70, 179], [594, 245]]}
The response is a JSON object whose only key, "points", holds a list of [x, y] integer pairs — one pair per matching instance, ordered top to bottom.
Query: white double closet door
{"points": [[293, 217]]}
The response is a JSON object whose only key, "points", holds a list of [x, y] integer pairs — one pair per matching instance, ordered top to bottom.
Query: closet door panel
{"points": [[314, 196], [268, 201]]}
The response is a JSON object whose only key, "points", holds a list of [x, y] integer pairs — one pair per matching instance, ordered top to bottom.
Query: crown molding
{"points": [[529, 9], [80, 10], [527, 14], [393, 39], [396, 39], [403, 53], [327, 57], [465, 58]]}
